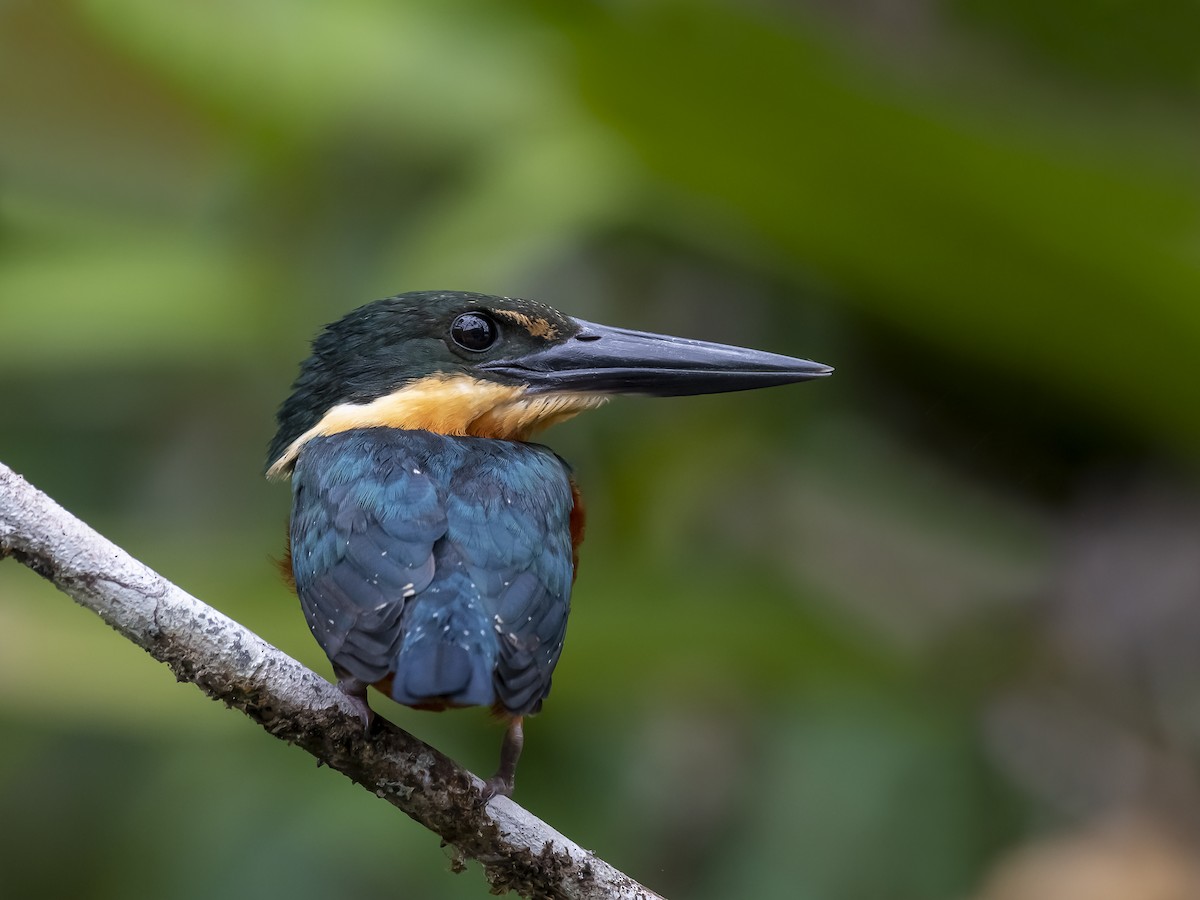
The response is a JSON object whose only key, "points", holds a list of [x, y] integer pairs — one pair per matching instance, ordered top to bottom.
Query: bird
{"points": [[433, 546]]}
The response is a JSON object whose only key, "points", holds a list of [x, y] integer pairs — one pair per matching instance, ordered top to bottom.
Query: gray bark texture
{"points": [[518, 851]]}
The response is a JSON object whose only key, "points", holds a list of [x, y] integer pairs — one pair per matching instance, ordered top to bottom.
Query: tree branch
{"points": [[518, 851]]}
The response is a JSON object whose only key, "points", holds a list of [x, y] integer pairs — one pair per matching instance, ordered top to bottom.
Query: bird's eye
{"points": [[473, 331]]}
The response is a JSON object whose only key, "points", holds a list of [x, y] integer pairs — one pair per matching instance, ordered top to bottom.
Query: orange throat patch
{"points": [[448, 404]]}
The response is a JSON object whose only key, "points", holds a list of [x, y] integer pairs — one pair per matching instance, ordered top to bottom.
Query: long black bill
{"points": [[608, 360]]}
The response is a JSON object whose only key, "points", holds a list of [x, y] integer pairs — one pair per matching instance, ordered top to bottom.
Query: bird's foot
{"points": [[356, 693], [501, 784], [496, 786]]}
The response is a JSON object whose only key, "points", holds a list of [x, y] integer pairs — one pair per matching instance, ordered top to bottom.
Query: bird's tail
{"points": [[447, 655]]}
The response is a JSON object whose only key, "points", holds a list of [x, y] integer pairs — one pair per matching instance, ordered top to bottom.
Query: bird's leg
{"points": [[356, 693], [510, 751]]}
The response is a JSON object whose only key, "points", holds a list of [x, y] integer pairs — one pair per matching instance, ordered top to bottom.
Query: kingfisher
{"points": [[432, 545]]}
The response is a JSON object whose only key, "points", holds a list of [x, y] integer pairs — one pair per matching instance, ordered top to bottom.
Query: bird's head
{"points": [[471, 364]]}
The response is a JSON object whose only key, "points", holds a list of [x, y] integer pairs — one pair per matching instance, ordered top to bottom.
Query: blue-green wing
{"points": [[365, 521], [510, 522]]}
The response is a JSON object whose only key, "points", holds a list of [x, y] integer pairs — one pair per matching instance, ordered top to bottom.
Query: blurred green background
{"points": [[926, 630]]}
